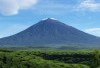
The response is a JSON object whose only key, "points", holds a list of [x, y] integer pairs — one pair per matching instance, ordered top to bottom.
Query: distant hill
{"points": [[50, 32]]}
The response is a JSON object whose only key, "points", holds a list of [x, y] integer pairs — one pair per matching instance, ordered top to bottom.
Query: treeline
{"points": [[46, 48], [49, 59]]}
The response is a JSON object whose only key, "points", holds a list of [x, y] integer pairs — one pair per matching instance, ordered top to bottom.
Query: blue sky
{"points": [[17, 15]]}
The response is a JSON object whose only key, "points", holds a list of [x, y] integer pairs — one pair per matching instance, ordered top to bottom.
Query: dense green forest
{"points": [[49, 59]]}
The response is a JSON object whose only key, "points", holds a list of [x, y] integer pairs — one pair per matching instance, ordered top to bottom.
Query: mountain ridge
{"points": [[50, 32]]}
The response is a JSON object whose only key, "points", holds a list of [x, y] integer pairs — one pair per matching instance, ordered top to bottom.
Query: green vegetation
{"points": [[46, 48], [49, 59], [95, 60]]}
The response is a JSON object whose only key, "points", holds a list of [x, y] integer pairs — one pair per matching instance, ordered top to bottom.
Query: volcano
{"points": [[51, 32]]}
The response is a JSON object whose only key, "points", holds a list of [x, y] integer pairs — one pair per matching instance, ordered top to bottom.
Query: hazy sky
{"points": [[17, 15]]}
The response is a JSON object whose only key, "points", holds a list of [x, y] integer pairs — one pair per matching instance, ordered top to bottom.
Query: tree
{"points": [[95, 60]]}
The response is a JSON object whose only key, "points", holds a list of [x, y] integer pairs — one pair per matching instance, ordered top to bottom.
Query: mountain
{"points": [[50, 32]]}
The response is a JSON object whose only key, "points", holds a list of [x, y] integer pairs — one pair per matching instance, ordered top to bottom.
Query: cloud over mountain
{"points": [[12, 7]]}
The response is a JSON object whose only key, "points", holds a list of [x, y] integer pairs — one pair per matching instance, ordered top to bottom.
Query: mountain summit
{"points": [[49, 19], [50, 32]]}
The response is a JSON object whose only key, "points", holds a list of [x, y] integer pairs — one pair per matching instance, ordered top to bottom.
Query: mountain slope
{"points": [[50, 32]]}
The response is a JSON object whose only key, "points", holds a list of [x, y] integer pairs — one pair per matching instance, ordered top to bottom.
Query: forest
{"points": [[49, 59]]}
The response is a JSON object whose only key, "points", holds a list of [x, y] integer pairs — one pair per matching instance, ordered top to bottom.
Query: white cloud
{"points": [[90, 5], [12, 7], [94, 31]]}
